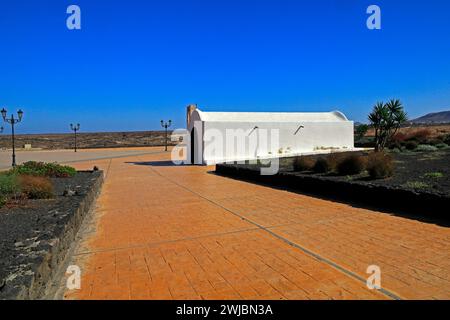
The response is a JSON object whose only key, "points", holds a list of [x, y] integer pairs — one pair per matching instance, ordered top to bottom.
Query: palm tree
{"points": [[376, 118], [386, 120]]}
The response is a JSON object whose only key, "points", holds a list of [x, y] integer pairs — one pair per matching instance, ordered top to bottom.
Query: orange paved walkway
{"points": [[169, 232]]}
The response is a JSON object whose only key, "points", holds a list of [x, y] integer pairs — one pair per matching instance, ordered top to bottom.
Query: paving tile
{"points": [[181, 232]]}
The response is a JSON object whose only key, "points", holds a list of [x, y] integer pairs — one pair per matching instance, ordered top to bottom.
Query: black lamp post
{"points": [[12, 121], [166, 125], [1, 129], [75, 129]]}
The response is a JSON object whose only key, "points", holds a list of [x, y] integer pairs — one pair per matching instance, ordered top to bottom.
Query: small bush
{"points": [[361, 131], [419, 135], [399, 137], [446, 139], [365, 142], [433, 142], [395, 145], [411, 145], [442, 146], [426, 148], [396, 150], [334, 159], [303, 164], [353, 164], [380, 165], [322, 166], [53, 170], [434, 175], [8, 184], [415, 185], [34, 187], [9, 188], [3, 200]]}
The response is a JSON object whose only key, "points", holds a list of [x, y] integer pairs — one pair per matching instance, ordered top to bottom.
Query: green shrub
{"points": [[361, 131], [446, 139], [365, 142], [433, 142], [395, 145], [411, 145], [442, 146], [426, 147], [396, 150], [303, 164], [353, 164], [380, 165], [322, 166], [53, 170], [434, 175], [8, 184], [415, 185], [9, 187], [34, 187]]}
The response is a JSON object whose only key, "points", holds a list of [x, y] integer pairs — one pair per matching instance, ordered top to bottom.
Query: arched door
{"points": [[193, 151]]}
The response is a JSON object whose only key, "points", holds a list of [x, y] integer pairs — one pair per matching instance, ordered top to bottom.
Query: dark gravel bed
{"points": [[421, 172], [420, 185], [33, 234]]}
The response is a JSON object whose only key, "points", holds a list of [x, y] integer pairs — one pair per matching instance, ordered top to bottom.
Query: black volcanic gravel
{"points": [[27, 231]]}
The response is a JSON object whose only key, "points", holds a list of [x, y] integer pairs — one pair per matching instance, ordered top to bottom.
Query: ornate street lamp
{"points": [[12, 121], [166, 125], [75, 129]]}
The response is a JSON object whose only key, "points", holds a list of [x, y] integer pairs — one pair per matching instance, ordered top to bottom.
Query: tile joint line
{"points": [[289, 242]]}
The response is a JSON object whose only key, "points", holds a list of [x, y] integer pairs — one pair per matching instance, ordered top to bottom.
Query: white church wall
{"points": [[272, 139]]}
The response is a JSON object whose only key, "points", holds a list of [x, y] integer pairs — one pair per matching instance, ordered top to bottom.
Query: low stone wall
{"points": [[421, 204]]}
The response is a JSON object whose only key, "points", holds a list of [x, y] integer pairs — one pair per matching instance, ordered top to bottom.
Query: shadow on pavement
{"points": [[166, 163], [409, 213]]}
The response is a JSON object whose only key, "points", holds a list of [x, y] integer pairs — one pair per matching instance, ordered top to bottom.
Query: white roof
{"points": [[334, 116]]}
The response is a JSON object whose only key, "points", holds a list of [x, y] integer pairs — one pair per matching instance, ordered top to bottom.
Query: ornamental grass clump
{"points": [[303, 164], [353, 164], [380, 165], [322, 166], [31, 180], [33, 187]]}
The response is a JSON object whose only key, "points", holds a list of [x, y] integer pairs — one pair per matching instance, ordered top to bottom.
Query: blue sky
{"points": [[134, 62]]}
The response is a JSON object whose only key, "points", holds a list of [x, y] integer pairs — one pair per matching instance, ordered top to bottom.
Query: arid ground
{"points": [[435, 130], [136, 139], [86, 140]]}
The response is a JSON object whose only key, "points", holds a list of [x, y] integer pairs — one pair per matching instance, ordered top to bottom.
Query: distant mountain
{"points": [[437, 117]]}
